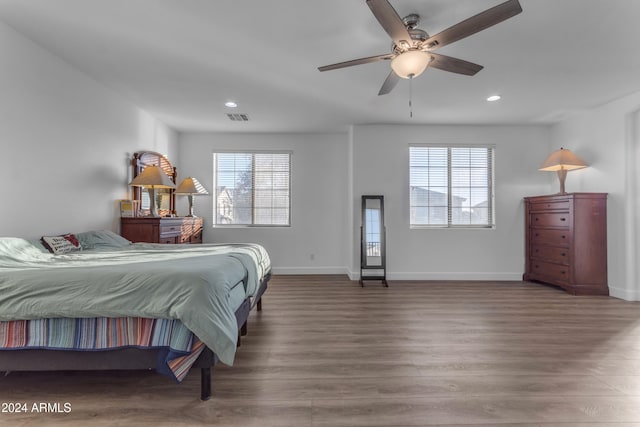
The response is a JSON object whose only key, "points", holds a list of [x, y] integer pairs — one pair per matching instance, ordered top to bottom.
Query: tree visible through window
{"points": [[451, 186], [252, 188]]}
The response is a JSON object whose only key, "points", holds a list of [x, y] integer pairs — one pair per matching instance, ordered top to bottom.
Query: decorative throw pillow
{"points": [[61, 244]]}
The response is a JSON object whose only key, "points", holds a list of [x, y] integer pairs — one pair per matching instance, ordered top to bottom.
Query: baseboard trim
{"points": [[309, 270], [456, 276], [509, 277], [624, 294]]}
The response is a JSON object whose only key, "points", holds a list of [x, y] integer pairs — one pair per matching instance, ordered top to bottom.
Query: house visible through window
{"points": [[451, 186], [252, 188]]}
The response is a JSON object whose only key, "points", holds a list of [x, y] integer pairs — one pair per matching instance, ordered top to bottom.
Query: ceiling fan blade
{"points": [[390, 20], [474, 24], [356, 62], [454, 65], [390, 82]]}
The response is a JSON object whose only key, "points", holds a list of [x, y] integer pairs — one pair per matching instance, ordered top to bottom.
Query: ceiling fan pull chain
{"points": [[410, 96]]}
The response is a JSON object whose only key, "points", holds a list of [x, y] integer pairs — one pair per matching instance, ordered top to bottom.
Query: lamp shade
{"points": [[411, 63], [562, 159], [152, 177], [191, 186]]}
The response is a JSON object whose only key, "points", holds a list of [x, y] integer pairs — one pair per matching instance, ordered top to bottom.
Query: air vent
{"points": [[241, 117]]}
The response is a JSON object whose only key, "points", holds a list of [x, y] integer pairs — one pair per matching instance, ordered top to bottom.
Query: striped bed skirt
{"points": [[179, 347]]}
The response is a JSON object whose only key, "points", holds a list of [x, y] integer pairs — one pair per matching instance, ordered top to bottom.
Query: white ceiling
{"points": [[182, 59]]}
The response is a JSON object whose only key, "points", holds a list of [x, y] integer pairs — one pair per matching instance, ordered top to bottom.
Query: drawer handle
{"points": [[563, 219], [564, 237], [563, 254]]}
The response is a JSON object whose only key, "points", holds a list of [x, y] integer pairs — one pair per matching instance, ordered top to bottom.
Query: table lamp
{"points": [[562, 161], [152, 177], [191, 187]]}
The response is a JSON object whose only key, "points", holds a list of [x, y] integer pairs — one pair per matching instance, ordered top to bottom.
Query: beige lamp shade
{"points": [[411, 63], [562, 161], [152, 177], [191, 187]]}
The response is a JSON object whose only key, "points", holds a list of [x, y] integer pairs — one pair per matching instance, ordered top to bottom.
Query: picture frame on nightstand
{"points": [[129, 208]]}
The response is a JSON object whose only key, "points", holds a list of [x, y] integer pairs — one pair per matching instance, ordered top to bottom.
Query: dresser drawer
{"points": [[549, 205], [556, 219], [170, 229], [551, 237], [190, 238], [196, 238], [168, 240], [554, 254], [548, 272]]}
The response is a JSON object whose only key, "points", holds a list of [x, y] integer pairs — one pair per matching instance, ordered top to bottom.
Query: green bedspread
{"points": [[189, 283]]}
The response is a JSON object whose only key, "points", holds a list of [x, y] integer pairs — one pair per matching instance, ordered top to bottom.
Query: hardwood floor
{"points": [[326, 352]]}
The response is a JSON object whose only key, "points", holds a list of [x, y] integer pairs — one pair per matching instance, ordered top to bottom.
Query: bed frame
{"points": [[121, 359]]}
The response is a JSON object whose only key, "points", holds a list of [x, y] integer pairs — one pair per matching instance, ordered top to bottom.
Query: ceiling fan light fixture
{"points": [[413, 50], [411, 63]]}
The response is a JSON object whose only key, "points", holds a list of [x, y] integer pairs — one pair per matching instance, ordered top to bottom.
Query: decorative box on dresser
{"points": [[162, 230], [566, 241]]}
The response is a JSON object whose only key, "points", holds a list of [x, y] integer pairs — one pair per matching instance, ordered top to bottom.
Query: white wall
{"points": [[79, 135], [608, 139], [66, 140], [65, 143], [381, 166], [331, 171], [318, 197]]}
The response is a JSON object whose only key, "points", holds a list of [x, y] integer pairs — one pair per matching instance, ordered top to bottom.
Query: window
{"points": [[451, 186], [252, 188]]}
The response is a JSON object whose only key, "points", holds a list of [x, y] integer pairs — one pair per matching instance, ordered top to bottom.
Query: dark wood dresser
{"points": [[162, 230], [566, 241]]}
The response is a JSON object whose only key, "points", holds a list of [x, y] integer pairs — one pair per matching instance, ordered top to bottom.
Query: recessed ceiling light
{"points": [[493, 98], [230, 104]]}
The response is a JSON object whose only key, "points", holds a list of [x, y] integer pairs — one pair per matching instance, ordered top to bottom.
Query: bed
{"points": [[121, 305]]}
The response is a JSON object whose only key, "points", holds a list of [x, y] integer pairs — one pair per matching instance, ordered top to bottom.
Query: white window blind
{"points": [[451, 186], [252, 188]]}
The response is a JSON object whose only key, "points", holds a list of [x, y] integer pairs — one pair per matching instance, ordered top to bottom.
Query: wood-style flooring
{"points": [[326, 352]]}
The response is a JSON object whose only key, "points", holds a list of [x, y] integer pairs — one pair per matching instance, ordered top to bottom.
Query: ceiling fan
{"points": [[413, 49]]}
